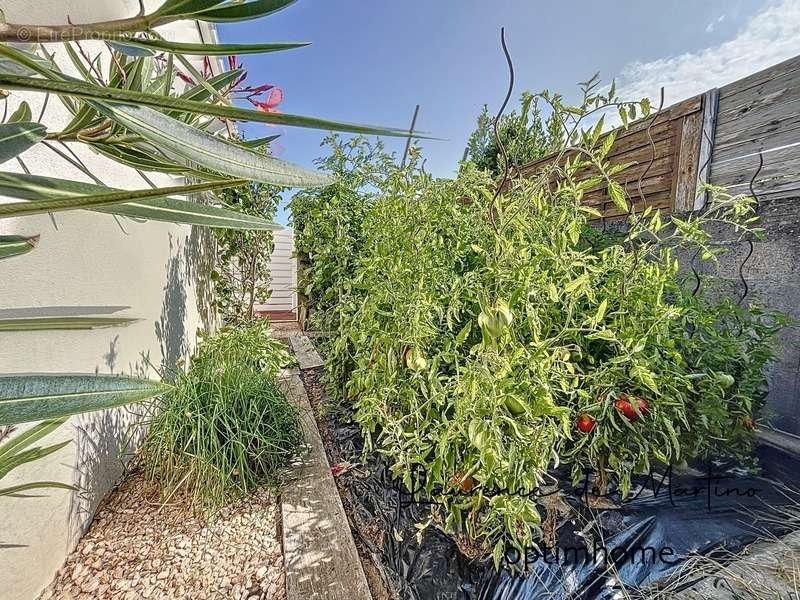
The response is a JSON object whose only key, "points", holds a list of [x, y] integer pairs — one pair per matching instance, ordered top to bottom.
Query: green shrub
{"points": [[526, 136], [328, 224], [241, 273], [493, 339], [250, 343], [226, 428]]}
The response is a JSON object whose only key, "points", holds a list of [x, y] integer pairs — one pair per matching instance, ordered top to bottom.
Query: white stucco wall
{"points": [[85, 260]]}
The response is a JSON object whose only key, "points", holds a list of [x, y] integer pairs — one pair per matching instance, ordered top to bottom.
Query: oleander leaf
{"points": [[173, 8], [242, 11], [202, 49], [131, 50], [200, 93], [109, 96], [22, 114], [16, 138], [258, 142], [211, 152], [139, 158], [55, 202], [170, 210], [15, 245], [61, 323], [25, 398], [21, 441], [25, 456], [16, 490]]}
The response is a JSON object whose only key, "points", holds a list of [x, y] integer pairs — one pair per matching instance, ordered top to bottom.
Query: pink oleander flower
{"points": [[183, 76], [272, 101]]}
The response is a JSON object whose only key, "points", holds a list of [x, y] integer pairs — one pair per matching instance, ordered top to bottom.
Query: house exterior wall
{"points": [[88, 263]]}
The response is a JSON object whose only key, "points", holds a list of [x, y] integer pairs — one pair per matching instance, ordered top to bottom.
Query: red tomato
{"points": [[624, 404], [585, 423], [465, 483]]}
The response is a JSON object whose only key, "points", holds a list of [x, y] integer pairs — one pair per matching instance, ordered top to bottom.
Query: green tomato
{"points": [[725, 380], [514, 406]]}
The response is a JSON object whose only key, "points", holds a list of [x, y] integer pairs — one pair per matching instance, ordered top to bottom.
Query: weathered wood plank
{"points": [[774, 72], [775, 91], [759, 125], [707, 133], [785, 133], [635, 136], [630, 143], [636, 145], [640, 150], [639, 160], [687, 163], [778, 163], [660, 167], [777, 174], [781, 180], [649, 187], [772, 189], [662, 202], [307, 355], [321, 559]]}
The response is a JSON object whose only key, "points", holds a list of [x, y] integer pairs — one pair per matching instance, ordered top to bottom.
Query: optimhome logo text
{"points": [[597, 554]]}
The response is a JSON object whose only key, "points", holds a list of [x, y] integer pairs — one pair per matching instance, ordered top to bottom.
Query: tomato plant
{"points": [[328, 224], [485, 340]]}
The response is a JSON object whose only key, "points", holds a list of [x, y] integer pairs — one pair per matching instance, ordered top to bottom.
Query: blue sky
{"points": [[372, 61]]}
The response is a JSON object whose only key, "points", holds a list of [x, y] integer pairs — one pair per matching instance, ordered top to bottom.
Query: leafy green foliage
{"points": [[124, 104], [131, 113], [526, 135], [328, 223], [242, 268], [487, 340], [249, 343], [226, 428], [17, 452]]}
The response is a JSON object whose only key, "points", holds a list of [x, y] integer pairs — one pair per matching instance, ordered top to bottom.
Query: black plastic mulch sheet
{"points": [[646, 539]]}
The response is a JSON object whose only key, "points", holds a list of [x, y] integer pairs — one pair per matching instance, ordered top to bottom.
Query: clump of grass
{"points": [[249, 343], [226, 428]]}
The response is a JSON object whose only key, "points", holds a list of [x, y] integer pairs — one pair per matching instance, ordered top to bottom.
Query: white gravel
{"points": [[136, 548]]}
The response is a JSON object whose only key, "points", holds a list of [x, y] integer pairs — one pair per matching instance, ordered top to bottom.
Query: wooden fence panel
{"points": [[760, 113], [671, 140]]}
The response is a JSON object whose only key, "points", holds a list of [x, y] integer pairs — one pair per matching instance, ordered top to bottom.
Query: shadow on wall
{"points": [[200, 253], [189, 266], [171, 327], [107, 441]]}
